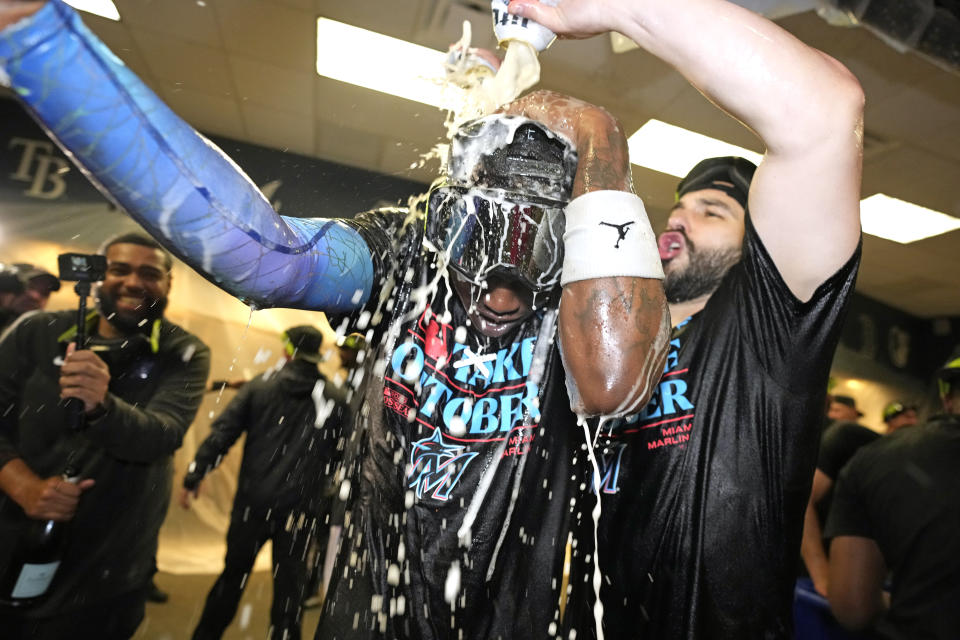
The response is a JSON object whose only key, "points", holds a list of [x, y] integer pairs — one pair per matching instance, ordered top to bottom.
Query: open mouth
{"points": [[671, 243], [493, 318], [496, 324]]}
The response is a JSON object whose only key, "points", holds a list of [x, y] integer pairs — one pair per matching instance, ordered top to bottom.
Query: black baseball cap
{"points": [[730, 174], [14, 278], [303, 342], [949, 374], [847, 400], [894, 409]]}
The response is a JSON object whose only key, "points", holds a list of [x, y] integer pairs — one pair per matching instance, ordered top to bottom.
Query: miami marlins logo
{"points": [[621, 231], [609, 463], [436, 465]]}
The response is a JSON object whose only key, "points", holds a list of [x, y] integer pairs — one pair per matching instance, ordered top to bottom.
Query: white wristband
{"points": [[608, 235]]}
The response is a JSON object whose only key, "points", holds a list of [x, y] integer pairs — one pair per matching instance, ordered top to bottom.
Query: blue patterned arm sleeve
{"points": [[174, 182]]}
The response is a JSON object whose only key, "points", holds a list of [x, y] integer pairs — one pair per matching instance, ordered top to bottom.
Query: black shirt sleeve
{"points": [[393, 236], [788, 336], [224, 431], [840, 441]]}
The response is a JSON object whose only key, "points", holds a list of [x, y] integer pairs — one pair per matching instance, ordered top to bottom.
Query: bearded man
{"points": [[140, 381]]}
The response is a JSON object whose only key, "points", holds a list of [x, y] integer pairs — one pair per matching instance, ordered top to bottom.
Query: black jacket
{"points": [[155, 390], [287, 455]]}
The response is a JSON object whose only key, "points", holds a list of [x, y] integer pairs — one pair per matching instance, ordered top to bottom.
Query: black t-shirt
{"points": [[839, 442], [837, 445], [471, 464], [704, 491], [903, 492]]}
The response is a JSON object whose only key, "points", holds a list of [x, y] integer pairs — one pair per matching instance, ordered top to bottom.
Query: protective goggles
{"points": [[482, 230]]}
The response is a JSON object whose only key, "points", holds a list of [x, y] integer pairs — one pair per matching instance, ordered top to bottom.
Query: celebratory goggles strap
{"points": [[480, 230]]}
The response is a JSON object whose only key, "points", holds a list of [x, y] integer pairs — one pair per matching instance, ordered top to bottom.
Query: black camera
{"points": [[81, 267]]}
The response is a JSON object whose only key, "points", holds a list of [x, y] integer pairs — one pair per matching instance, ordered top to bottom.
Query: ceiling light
{"points": [[103, 8], [375, 61], [674, 150], [903, 222]]}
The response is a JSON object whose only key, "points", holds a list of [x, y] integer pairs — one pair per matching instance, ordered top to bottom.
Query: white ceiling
{"points": [[244, 69]]}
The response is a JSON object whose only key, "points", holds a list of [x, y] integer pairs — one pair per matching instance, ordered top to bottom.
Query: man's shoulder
{"points": [[47, 321], [173, 337], [848, 429], [877, 457]]}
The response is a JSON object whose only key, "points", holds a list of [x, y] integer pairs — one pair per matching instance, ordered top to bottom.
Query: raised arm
{"points": [[805, 106], [174, 182], [613, 330]]}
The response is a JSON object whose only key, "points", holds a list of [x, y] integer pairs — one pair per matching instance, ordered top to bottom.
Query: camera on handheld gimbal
{"points": [[83, 269]]}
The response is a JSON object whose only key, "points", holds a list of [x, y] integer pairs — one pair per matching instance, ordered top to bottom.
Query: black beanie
{"points": [[729, 174]]}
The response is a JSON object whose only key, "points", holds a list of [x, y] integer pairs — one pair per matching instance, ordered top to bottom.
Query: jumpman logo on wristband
{"points": [[621, 230]]}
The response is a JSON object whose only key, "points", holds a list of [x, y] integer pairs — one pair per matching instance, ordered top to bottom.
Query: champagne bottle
{"points": [[37, 552]]}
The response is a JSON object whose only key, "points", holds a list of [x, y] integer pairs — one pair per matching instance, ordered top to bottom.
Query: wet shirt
{"points": [[704, 491], [903, 492], [465, 493]]}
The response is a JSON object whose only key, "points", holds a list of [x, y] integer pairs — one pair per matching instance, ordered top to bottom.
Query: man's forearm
{"points": [[614, 333], [15, 477], [812, 550]]}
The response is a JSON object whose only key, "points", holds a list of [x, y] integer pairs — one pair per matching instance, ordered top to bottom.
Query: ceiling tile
{"points": [[305, 5], [397, 18], [182, 19], [813, 30], [274, 33], [117, 37], [186, 64], [644, 82], [272, 86], [348, 105], [691, 110], [211, 114], [939, 128], [278, 129], [350, 147], [914, 175]]}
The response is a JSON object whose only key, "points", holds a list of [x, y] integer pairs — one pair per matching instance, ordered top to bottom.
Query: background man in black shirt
{"points": [[839, 442], [897, 509]]}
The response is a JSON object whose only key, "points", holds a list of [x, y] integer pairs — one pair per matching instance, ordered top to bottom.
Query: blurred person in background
{"points": [[23, 288], [843, 409], [898, 415], [293, 419], [840, 440], [896, 512]]}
